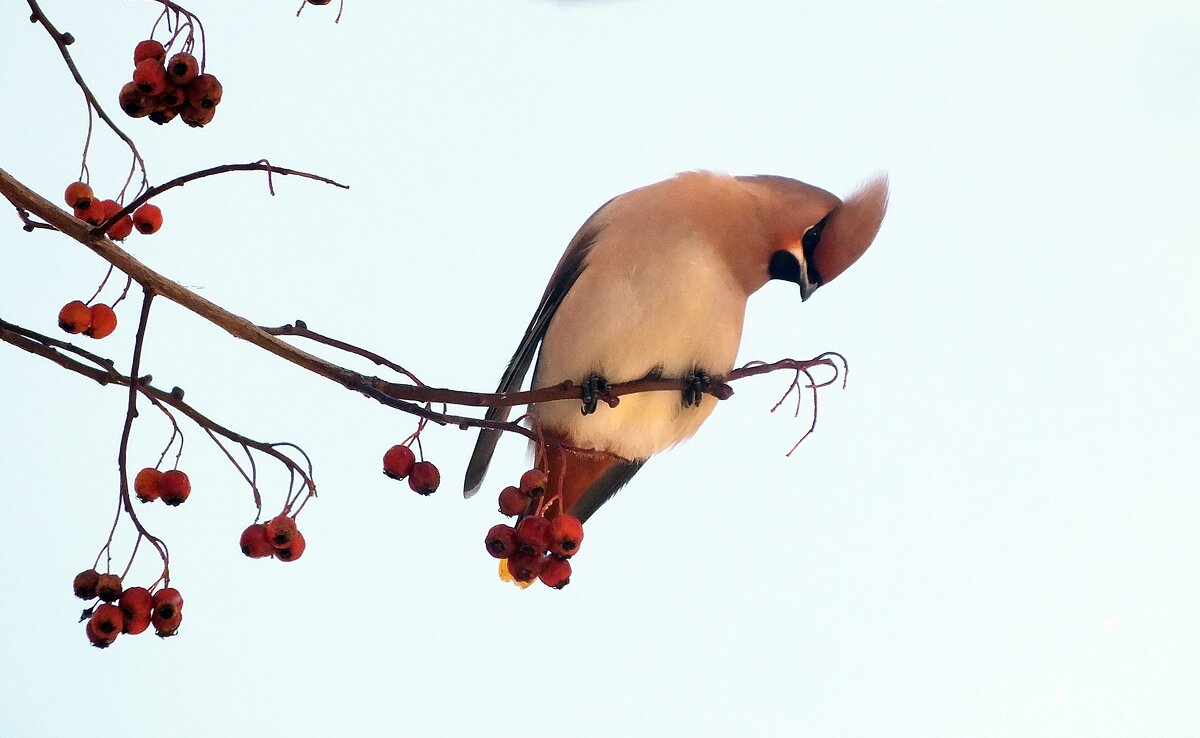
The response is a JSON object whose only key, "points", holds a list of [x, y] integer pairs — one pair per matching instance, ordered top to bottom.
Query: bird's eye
{"points": [[812, 237]]}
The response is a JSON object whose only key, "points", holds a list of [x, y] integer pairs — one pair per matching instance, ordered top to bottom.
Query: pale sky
{"points": [[993, 531]]}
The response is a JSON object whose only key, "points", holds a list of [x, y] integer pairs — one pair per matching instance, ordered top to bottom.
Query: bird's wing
{"points": [[570, 266], [616, 476]]}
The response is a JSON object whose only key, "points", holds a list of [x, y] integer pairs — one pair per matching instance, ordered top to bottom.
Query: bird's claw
{"points": [[698, 384], [595, 388]]}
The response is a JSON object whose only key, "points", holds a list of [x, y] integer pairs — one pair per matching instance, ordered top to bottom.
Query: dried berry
{"points": [[149, 49], [183, 68], [150, 77], [204, 91], [133, 102], [163, 114], [196, 117], [534, 481], [281, 530], [501, 541], [85, 584], [108, 587], [168, 611], [105, 625]]}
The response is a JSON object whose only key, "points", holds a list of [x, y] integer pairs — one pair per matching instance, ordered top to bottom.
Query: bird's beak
{"points": [[849, 230]]}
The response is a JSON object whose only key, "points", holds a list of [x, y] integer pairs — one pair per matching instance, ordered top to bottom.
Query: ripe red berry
{"points": [[319, 2], [149, 49], [183, 68], [150, 77], [204, 91], [172, 97], [133, 102], [162, 114], [196, 117], [79, 195], [93, 215], [147, 218], [120, 230], [75, 317], [102, 323], [398, 462], [424, 478], [534, 481], [147, 485], [175, 487], [513, 501], [281, 530], [533, 535], [565, 535], [501, 541], [256, 543], [293, 550], [525, 567], [555, 572], [85, 584], [108, 587], [137, 605], [105, 625], [166, 625]]}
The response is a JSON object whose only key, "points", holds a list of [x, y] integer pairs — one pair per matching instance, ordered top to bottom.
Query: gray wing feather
{"points": [[568, 270], [606, 485]]}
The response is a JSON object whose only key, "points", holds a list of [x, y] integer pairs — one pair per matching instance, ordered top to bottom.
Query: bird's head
{"points": [[814, 235]]}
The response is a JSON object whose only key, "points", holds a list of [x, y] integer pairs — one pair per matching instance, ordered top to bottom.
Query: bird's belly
{"points": [[629, 329]]}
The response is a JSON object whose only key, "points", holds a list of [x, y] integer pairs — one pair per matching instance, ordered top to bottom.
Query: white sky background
{"points": [[992, 533]]}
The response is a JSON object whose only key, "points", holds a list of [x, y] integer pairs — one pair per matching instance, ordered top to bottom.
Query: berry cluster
{"points": [[163, 89], [146, 219], [97, 321], [423, 477], [172, 487], [279, 538], [539, 547], [136, 608]]}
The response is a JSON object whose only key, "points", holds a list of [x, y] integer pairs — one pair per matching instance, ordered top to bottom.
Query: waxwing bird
{"points": [[655, 283]]}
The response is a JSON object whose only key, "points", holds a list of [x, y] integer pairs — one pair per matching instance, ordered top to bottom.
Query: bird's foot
{"points": [[698, 383], [595, 388]]}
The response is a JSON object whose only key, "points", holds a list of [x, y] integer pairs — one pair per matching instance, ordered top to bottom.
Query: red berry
{"points": [[149, 49], [183, 68], [150, 77], [204, 91], [172, 97], [133, 102], [163, 114], [196, 117], [79, 195], [94, 215], [147, 218], [120, 230], [75, 317], [103, 322], [398, 462], [424, 478], [534, 481], [148, 484], [175, 487], [513, 501], [281, 530], [533, 535], [565, 535], [501, 541], [256, 543], [293, 550], [525, 567], [555, 572], [85, 584], [108, 587], [136, 605], [168, 611], [105, 625], [166, 625]]}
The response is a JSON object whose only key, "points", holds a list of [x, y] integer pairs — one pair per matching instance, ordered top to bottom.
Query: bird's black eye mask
{"points": [[784, 264]]}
